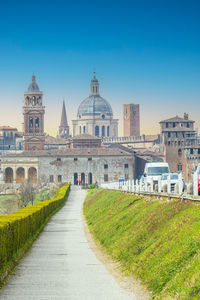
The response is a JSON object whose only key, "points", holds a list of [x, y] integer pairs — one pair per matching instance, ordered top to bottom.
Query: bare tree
{"points": [[26, 193]]}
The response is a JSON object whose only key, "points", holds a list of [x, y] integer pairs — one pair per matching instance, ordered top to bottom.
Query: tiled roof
{"points": [[176, 119], [7, 128], [86, 136], [50, 140], [75, 152]]}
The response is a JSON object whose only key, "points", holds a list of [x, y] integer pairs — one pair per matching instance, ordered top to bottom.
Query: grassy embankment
{"points": [[158, 242]]}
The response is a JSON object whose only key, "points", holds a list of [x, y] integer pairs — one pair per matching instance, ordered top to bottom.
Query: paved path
{"points": [[61, 265]]}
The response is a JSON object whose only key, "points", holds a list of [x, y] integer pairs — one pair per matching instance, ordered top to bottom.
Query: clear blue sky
{"points": [[145, 52]]}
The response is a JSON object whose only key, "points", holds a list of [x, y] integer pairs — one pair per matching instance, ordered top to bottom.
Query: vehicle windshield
{"points": [[157, 170], [174, 176]]}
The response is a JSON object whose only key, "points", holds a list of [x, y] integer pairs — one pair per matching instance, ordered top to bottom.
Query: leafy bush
{"points": [[92, 186]]}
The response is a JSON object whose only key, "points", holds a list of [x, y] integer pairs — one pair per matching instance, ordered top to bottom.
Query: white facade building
{"points": [[95, 115]]}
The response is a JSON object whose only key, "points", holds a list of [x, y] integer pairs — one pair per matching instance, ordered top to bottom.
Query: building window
{"points": [[103, 116], [31, 122], [36, 122], [174, 124], [167, 125], [188, 125], [80, 129], [84, 129], [96, 130], [103, 130], [108, 131], [169, 134], [169, 143], [179, 143], [191, 151], [199, 151], [179, 152], [75, 158], [89, 158], [58, 159], [105, 166], [126, 166], [179, 167], [105, 177], [126, 177], [51, 178], [59, 178]]}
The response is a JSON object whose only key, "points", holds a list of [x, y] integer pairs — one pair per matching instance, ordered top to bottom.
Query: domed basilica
{"points": [[95, 115]]}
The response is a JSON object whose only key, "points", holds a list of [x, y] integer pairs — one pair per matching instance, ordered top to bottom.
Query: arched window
{"points": [[34, 100], [31, 122], [37, 122], [80, 129], [84, 129], [96, 130], [103, 130], [108, 131], [179, 152], [83, 178], [90, 178]]}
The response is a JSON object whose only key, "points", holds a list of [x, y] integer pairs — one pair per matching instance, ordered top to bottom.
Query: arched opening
{"points": [[30, 122], [37, 124], [80, 129], [84, 129], [96, 130], [103, 131], [108, 131], [179, 152], [8, 175], [20, 175], [32, 175], [75, 178], [82, 178], [90, 178]]}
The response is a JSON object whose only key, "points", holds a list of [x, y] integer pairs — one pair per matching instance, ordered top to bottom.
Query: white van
{"points": [[154, 171]]}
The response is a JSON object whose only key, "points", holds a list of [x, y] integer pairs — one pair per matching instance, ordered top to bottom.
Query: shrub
{"points": [[20, 227]]}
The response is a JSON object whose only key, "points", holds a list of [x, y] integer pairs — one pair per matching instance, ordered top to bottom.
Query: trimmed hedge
{"points": [[20, 227]]}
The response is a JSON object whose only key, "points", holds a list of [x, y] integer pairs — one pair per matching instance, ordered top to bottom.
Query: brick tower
{"points": [[33, 111], [131, 117]]}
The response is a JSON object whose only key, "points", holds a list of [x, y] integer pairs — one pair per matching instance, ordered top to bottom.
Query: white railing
{"points": [[137, 186]]}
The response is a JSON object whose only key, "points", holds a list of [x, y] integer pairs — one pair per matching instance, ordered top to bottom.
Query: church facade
{"points": [[95, 115]]}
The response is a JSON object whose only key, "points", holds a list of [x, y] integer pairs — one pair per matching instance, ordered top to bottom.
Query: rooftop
{"points": [[177, 119], [8, 128], [86, 136], [73, 152]]}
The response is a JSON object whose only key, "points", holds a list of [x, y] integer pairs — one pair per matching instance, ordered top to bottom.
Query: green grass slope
{"points": [[157, 241]]}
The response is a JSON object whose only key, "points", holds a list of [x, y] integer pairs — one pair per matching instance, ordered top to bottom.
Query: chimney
{"points": [[185, 116]]}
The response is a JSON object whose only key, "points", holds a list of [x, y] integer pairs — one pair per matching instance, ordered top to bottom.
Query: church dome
{"points": [[33, 87], [94, 104]]}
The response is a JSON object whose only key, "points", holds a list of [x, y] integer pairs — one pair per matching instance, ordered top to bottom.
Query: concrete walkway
{"points": [[61, 265]]}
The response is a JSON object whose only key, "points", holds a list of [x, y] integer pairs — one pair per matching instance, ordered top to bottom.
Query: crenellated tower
{"points": [[33, 111]]}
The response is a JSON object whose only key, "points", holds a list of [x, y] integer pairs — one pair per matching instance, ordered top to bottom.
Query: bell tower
{"points": [[33, 111]]}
